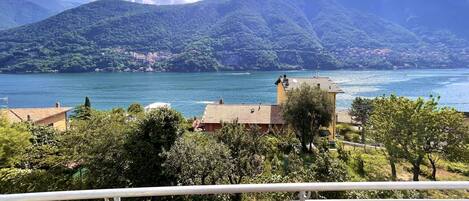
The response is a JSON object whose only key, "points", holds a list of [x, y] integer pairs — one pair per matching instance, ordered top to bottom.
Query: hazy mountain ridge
{"points": [[18, 12], [15, 13], [223, 35]]}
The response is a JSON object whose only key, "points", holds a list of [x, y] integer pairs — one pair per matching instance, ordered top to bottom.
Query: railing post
{"points": [[302, 196], [106, 199], [117, 199]]}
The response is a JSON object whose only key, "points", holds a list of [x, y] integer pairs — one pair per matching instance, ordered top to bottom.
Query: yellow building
{"points": [[284, 85], [55, 116]]}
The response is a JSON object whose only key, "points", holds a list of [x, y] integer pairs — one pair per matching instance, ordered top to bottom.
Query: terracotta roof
{"points": [[325, 83], [244, 113], [36, 114]]}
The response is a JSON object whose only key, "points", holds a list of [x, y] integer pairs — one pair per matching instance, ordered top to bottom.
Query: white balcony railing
{"points": [[302, 188]]}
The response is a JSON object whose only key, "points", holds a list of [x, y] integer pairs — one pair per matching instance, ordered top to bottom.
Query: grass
{"points": [[375, 167]]}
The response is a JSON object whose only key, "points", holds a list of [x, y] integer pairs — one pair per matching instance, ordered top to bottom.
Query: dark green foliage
{"points": [[113, 35], [87, 102], [135, 108], [307, 110], [83, 111], [360, 111], [154, 134], [96, 148], [246, 148], [44, 152], [198, 159], [359, 165], [329, 169], [14, 180]]}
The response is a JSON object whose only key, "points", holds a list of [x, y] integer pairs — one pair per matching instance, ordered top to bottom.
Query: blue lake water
{"points": [[190, 92]]}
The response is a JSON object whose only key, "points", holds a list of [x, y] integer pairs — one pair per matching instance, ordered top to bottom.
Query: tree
{"points": [[87, 102], [135, 108], [307, 109], [83, 111], [360, 111], [416, 129], [445, 133], [152, 136], [14, 141], [95, 148], [246, 149], [44, 152], [198, 159], [326, 168]]}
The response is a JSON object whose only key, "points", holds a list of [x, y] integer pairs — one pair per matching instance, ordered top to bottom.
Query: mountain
{"points": [[163, 2], [19, 12], [15, 13], [430, 15], [211, 35]]}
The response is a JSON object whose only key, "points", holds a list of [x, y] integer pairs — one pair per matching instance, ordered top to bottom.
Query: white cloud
{"points": [[164, 2]]}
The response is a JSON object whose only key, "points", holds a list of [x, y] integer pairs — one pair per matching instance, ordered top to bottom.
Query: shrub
{"points": [[355, 138], [459, 168]]}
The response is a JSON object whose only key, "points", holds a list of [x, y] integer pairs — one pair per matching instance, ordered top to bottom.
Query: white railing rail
{"points": [[302, 188]]}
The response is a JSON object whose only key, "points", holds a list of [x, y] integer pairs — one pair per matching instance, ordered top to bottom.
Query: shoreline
{"points": [[233, 71]]}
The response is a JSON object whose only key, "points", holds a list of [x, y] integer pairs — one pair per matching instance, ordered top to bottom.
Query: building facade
{"points": [[55, 117], [267, 117]]}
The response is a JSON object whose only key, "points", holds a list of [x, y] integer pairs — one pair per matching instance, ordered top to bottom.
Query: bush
{"points": [[355, 138], [359, 165], [459, 168], [13, 180]]}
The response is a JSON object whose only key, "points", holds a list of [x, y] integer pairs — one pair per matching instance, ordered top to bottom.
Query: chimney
{"points": [[285, 80], [221, 102], [57, 104], [28, 117]]}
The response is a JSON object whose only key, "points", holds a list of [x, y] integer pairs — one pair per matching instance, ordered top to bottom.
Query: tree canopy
{"points": [[307, 109], [415, 129]]}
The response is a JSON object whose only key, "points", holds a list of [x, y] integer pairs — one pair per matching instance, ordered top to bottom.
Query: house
{"points": [[286, 84], [54, 116], [267, 116]]}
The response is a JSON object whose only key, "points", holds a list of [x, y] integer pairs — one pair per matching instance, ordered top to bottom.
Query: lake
{"points": [[190, 92]]}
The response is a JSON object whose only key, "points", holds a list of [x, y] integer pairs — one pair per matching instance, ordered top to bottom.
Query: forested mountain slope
{"points": [[114, 35]]}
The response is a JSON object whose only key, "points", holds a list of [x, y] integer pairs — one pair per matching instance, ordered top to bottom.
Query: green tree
{"points": [[87, 102], [135, 108], [307, 109], [83, 111], [360, 111], [416, 129], [445, 133], [152, 136], [14, 141], [96, 148], [247, 149], [44, 152], [198, 159], [326, 168]]}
